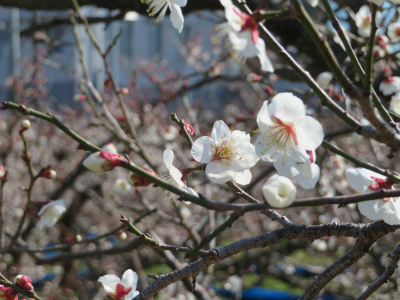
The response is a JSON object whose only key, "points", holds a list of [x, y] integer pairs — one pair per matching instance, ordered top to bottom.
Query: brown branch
{"points": [[360, 231]]}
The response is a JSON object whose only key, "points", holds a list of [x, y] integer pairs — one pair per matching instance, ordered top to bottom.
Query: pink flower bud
{"points": [[253, 77], [107, 82], [269, 90], [124, 91], [79, 98], [25, 125], [189, 128], [110, 147], [103, 161], [3, 173], [49, 174], [137, 180], [121, 235], [24, 282], [7, 293]]}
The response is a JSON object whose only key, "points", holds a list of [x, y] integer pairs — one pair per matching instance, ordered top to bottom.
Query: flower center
{"points": [[248, 22], [284, 133], [225, 151], [120, 292]]}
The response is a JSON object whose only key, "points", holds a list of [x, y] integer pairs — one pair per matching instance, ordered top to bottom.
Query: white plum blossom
{"points": [[161, 6], [363, 20], [242, 30], [394, 32], [324, 79], [390, 85], [395, 103], [288, 138], [228, 155], [174, 178], [122, 186], [279, 191], [387, 209], [50, 213], [120, 289]]}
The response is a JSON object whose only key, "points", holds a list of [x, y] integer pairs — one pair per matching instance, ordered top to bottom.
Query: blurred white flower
{"points": [[313, 3], [160, 6], [131, 16], [363, 20], [242, 30], [394, 32], [324, 79], [390, 85], [395, 103], [286, 134], [110, 147], [226, 154], [174, 178], [122, 186], [279, 191], [387, 209], [50, 213], [120, 289]]}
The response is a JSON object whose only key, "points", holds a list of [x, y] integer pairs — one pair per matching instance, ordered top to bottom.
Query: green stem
{"points": [[322, 45], [353, 58], [369, 60], [181, 125], [392, 175]]}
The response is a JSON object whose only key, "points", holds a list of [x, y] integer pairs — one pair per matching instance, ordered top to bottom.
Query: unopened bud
{"points": [[253, 77], [107, 82], [269, 90], [124, 91], [79, 98], [25, 125], [189, 128], [3, 173], [49, 174], [137, 180], [121, 235], [24, 282], [7, 293]]}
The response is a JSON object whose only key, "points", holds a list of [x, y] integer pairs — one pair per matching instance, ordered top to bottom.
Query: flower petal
{"points": [[176, 16], [266, 64], [286, 107], [263, 117], [220, 130], [309, 131], [202, 149], [168, 157], [219, 172], [308, 175], [242, 178], [360, 179], [129, 279], [109, 282]]}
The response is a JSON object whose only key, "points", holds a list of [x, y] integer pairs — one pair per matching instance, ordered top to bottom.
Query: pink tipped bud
{"points": [[388, 71], [253, 77], [107, 82], [124, 91], [79, 98], [25, 125], [189, 128], [103, 161], [3, 173], [49, 174], [137, 180], [121, 235], [24, 282]]}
